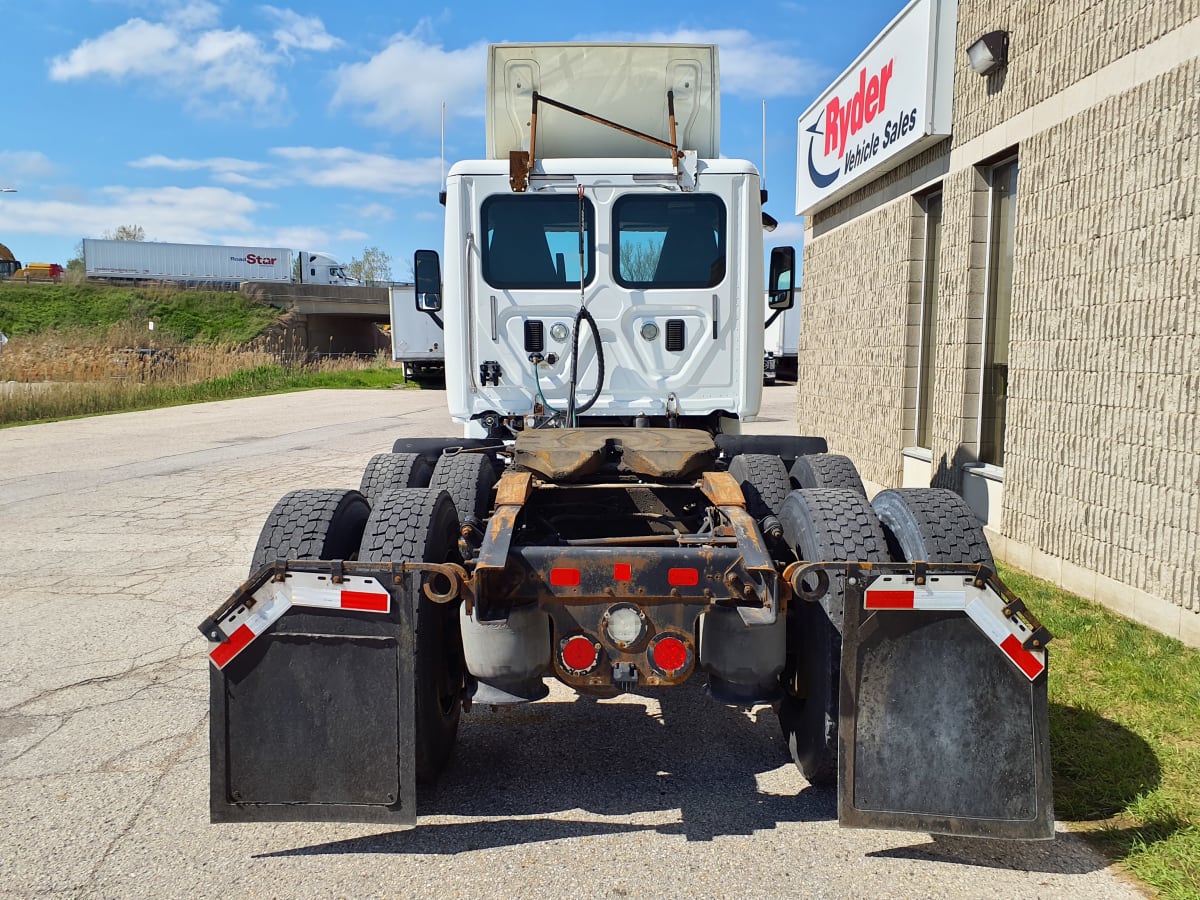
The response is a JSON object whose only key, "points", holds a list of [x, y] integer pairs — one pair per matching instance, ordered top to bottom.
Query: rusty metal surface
{"points": [[600, 120], [518, 170], [569, 454], [513, 488], [722, 489]]}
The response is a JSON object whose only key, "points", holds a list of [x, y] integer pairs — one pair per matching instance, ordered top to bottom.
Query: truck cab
{"points": [[321, 268], [596, 274], [671, 285]]}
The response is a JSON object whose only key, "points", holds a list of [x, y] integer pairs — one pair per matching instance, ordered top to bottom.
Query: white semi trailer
{"points": [[207, 263], [603, 522]]}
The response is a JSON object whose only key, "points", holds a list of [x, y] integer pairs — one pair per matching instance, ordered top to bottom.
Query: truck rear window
{"points": [[532, 241], [669, 241]]}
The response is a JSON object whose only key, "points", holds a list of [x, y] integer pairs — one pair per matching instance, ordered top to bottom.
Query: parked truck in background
{"points": [[207, 263], [418, 340], [781, 343], [603, 520]]}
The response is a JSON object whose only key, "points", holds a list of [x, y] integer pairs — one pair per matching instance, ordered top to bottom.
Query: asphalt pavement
{"points": [[118, 534]]}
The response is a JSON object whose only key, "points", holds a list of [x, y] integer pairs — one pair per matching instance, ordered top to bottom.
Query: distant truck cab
{"points": [[321, 268]]}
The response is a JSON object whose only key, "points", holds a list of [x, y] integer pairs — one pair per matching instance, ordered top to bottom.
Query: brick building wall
{"points": [[1101, 476]]}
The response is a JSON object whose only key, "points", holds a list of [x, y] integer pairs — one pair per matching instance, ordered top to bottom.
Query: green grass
{"points": [[204, 316], [89, 399], [1125, 736]]}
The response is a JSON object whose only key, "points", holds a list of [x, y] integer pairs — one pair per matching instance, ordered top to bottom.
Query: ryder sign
{"points": [[891, 103]]}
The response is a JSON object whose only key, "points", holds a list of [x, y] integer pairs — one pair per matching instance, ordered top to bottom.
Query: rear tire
{"points": [[433, 448], [826, 470], [391, 471], [468, 478], [764, 480], [312, 524], [931, 524], [421, 525], [821, 526]]}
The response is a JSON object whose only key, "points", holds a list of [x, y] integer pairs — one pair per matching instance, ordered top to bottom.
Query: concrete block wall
{"points": [[1052, 45], [853, 337], [1103, 465], [1101, 485]]}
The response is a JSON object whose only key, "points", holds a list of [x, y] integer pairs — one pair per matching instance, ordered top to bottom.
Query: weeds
{"points": [[79, 371]]}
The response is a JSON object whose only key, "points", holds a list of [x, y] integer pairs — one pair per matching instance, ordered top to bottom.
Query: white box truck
{"points": [[418, 340], [782, 344]]}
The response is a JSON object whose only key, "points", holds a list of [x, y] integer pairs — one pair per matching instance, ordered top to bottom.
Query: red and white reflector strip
{"points": [[982, 604], [245, 622]]}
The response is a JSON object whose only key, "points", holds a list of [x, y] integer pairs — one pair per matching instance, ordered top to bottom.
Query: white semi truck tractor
{"points": [[602, 521]]}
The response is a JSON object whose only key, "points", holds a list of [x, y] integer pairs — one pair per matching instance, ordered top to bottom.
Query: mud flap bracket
{"points": [[312, 720], [943, 724]]}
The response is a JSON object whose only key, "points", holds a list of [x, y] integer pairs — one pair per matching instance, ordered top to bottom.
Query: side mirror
{"points": [[427, 272], [781, 282]]}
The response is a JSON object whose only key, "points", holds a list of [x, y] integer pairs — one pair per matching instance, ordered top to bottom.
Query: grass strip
{"points": [[205, 316], [29, 405], [1125, 736]]}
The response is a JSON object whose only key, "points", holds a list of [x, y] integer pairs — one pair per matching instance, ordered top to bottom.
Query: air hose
{"points": [[583, 313], [572, 411]]}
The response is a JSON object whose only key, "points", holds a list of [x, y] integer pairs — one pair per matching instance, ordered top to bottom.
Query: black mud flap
{"points": [[313, 721], [941, 731]]}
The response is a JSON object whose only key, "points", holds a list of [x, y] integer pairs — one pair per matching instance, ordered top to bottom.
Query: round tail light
{"points": [[579, 654], [670, 655]]}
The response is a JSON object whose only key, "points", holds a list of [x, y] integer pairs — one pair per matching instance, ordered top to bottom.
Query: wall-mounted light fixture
{"points": [[989, 53]]}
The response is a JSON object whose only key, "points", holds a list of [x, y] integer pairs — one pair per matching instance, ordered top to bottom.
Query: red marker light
{"points": [[622, 572], [564, 577], [683, 577], [579, 654], [670, 654]]}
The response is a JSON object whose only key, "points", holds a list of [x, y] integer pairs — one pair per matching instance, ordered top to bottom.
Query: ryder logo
{"points": [[845, 121], [842, 138]]}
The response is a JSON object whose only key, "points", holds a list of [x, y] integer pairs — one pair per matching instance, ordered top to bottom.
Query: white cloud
{"points": [[191, 16], [297, 32], [749, 66], [219, 71], [403, 85], [18, 165], [218, 165], [341, 167], [338, 168], [381, 212], [187, 215], [202, 215], [785, 233], [300, 237]]}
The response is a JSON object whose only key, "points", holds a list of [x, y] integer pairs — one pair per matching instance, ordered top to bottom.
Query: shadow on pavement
{"points": [[607, 759], [521, 765], [1064, 855]]}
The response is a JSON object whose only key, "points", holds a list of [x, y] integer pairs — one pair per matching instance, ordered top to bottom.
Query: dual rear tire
{"points": [[407, 524], [838, 525]]}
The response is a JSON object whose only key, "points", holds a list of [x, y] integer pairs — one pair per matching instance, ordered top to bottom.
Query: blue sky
{"points": [[316, 125]]}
